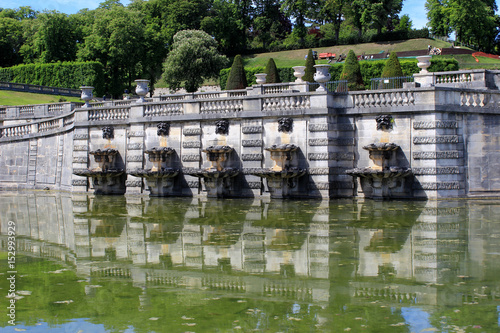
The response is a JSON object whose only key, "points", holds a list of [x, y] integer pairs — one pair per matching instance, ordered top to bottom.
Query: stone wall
{"points": [[448, 136]]}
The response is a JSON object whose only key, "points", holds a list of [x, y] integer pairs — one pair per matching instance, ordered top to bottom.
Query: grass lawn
{"points": [[296, 57], [466, 61], [11, 98]]}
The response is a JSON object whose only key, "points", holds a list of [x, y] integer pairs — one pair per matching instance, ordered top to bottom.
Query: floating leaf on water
{"points": [[64, 302], [399, 324], [19, 329], [430, 329]]}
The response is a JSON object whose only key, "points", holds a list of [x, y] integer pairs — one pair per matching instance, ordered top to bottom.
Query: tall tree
{"points": [[299, 10], [335, 10], [377, 13], [438, 21], [473, 21], [225, 24], [50, 37], [11, 39], [116, 40], [194, 57]]}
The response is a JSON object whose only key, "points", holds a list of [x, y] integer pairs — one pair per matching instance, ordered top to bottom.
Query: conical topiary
{"points": [[392, 68], [310, 70], [352, 73], [273, 76], [237, 78]]}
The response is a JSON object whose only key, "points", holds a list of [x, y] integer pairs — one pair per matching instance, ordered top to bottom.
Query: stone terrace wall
{"points": [[448, 135]]}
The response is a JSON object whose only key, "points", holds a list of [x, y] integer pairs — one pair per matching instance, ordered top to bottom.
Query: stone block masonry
{"points": [[448, 136]]}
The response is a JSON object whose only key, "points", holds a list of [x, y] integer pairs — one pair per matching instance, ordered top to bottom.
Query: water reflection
{"points": [[256, 264]]}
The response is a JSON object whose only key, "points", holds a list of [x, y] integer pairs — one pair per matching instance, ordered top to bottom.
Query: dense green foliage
{"points": [[474, 22], [133, 41], [194, 58], [310, 70], [369, 70], [352, 73], [61, 74], [273, 75], [237, 78]]}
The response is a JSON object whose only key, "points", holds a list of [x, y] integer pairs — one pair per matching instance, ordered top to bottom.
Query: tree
{"points": [[299, 10], [336, 11], [378, 12], [473, 21], [438, 23], [225, 24], [50, 37], [11, 38], [116, 38], [193, 58], [392, 68], [310, 70], [352, 73], [273, 76], [237, 78]]}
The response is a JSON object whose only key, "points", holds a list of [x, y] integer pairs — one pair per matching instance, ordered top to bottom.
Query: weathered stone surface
{"points": [[434, 124], [251, 129], [191, 131], [438, 139], [251, 143], [191, 144], [135, 146], [433, 155], [331, 156], [252, 157], [135, 158], [191, 158], [437, 171], [133, 183], [440, 186]]}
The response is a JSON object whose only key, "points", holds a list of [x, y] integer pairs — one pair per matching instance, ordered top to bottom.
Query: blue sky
{"points": [[414, 8]]}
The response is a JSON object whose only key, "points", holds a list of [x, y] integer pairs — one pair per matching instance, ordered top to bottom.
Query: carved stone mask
{"points": [[285, 124], [222, 127], [108, 132]]}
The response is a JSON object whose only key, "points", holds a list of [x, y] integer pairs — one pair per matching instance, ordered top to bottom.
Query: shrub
{"points": [[310, 70], [352, 73], [60, 74], [273, 76], [237, 78]]}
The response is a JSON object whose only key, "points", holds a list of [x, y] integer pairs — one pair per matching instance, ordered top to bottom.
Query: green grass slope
{"points": [[12, 98]]}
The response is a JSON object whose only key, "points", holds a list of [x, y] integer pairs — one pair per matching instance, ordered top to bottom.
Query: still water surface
{"points": [[137, 264]]}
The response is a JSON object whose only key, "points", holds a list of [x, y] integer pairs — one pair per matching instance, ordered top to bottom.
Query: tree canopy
{"points": [[194, 57]]}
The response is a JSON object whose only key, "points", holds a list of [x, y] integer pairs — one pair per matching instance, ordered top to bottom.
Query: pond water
{"points": [[87, 263]]}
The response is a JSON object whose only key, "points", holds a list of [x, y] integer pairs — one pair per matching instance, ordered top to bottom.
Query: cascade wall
{"points": [[449, 136]]}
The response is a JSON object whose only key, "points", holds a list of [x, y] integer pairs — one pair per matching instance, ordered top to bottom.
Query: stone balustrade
{"points": [[21, 112]]}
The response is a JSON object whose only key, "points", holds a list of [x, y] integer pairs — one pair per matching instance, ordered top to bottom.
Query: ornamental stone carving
{"points": [[384, 122], [285, 124], [222, 127], [163, 129], [251, 129], [192, 131], [108, 132], [436, 139], [434, 155]]}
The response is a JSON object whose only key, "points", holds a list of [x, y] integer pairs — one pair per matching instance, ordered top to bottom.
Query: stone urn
{"points": [[423, 63], [299, 72], [322, 76], [261, 78], [142, 89], [87, 95]]}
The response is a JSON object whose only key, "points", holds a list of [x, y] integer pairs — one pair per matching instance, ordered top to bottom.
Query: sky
{"points": [[414, 8]]}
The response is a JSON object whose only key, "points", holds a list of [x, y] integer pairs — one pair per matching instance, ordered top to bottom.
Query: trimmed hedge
{"points": [[369, 70], [61, 74]]}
